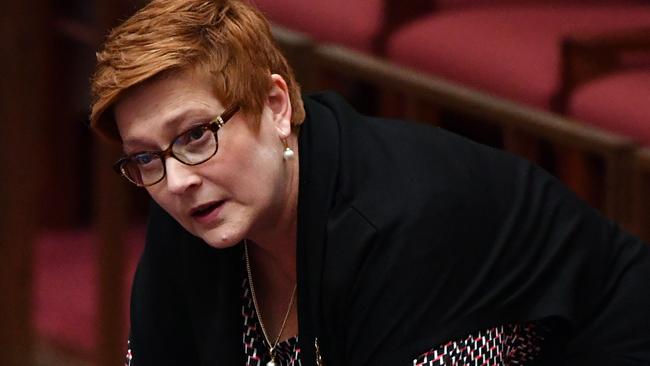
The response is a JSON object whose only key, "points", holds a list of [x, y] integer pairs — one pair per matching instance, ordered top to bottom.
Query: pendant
{"points": [[272, 354], [272, 362]]}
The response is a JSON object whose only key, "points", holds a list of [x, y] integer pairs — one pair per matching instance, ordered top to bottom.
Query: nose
{"points": [[180, 177]]}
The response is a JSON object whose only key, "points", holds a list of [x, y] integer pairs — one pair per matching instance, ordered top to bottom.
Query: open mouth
{"points": [[205, 210]]}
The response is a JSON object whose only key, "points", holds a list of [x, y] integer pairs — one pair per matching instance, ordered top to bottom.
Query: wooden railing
{"points": [[523, 128]]}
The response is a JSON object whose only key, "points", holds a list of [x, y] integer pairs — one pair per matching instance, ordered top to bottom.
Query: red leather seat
{"points": [[448, 4], [354, 24], [512, 51], [618, 102], [66, 287]]}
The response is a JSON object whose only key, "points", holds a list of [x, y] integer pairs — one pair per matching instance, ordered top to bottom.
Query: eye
{"points": [[195, 134], [143, 159]]}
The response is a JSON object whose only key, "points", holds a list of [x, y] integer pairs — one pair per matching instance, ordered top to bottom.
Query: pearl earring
{"points": [[288, 153]]}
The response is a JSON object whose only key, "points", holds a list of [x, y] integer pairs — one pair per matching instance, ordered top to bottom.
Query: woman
{"points": [[334, 238]]}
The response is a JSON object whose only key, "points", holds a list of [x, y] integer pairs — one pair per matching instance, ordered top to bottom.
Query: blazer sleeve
{"points": [[500, 241], [572, 263]]}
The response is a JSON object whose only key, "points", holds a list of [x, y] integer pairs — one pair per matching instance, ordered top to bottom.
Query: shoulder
{"points": [[395, 164]]}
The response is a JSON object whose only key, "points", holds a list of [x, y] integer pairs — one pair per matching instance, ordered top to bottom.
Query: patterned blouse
{"points": [[500, 346], [287, 352]]}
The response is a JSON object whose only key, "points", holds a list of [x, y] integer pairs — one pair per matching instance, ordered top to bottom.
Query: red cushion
{"points": [[446, 4], [351, 23], [508, 51], [619, 103], [65, 285]]}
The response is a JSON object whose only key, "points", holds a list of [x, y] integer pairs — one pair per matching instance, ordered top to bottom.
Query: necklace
{"points": [[259, 315]]}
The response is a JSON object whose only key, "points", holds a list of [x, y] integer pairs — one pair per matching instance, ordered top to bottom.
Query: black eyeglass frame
{"points": [[214, 126]]}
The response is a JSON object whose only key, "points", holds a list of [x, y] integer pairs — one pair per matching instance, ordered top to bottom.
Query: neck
{"points": [[272, 248], [273, 267]]}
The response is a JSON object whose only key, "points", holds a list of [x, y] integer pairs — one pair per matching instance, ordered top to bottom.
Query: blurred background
{"points": [[564, 83]]}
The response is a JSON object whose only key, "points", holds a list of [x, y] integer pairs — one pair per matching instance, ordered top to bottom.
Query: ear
{"points": [[280, 105]]}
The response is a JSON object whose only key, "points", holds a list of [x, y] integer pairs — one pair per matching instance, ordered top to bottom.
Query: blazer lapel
{"points": [[319, 152]]}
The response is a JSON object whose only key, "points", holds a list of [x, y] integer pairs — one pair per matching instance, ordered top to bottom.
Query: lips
{"points": [[205, 211]]}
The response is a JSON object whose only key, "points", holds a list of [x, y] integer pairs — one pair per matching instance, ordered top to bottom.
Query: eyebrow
{"points": [[133, 145]]}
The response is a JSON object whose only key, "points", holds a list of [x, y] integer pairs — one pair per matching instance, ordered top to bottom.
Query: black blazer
{"points": [[408, 237]]}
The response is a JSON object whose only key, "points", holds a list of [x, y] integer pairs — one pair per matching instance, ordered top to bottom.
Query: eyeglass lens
{"points": [[191, 148]]}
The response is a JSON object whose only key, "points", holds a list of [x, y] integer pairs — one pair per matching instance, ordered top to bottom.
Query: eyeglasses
{"points": [[194, 146]]}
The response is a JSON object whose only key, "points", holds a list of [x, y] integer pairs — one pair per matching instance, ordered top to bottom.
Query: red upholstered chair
{"points": [[351, 23], [297, 25], [358, 25], [361, 25], [510, 50], [513, 50], [607, 81], [619, 102], [67, 292]]}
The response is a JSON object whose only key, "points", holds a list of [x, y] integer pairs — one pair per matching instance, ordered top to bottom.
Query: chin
{"points": [[220, 239]]}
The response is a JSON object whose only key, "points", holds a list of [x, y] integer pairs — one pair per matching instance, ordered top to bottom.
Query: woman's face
{"points": [[244, 190]]}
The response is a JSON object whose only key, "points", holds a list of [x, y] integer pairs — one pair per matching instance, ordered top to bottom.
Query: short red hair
{"points": [[226, 39]]}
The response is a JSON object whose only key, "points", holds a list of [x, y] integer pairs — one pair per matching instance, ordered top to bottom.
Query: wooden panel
{"points": [[24, 108], [641, 199], [112, 215], [111, 219]]}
